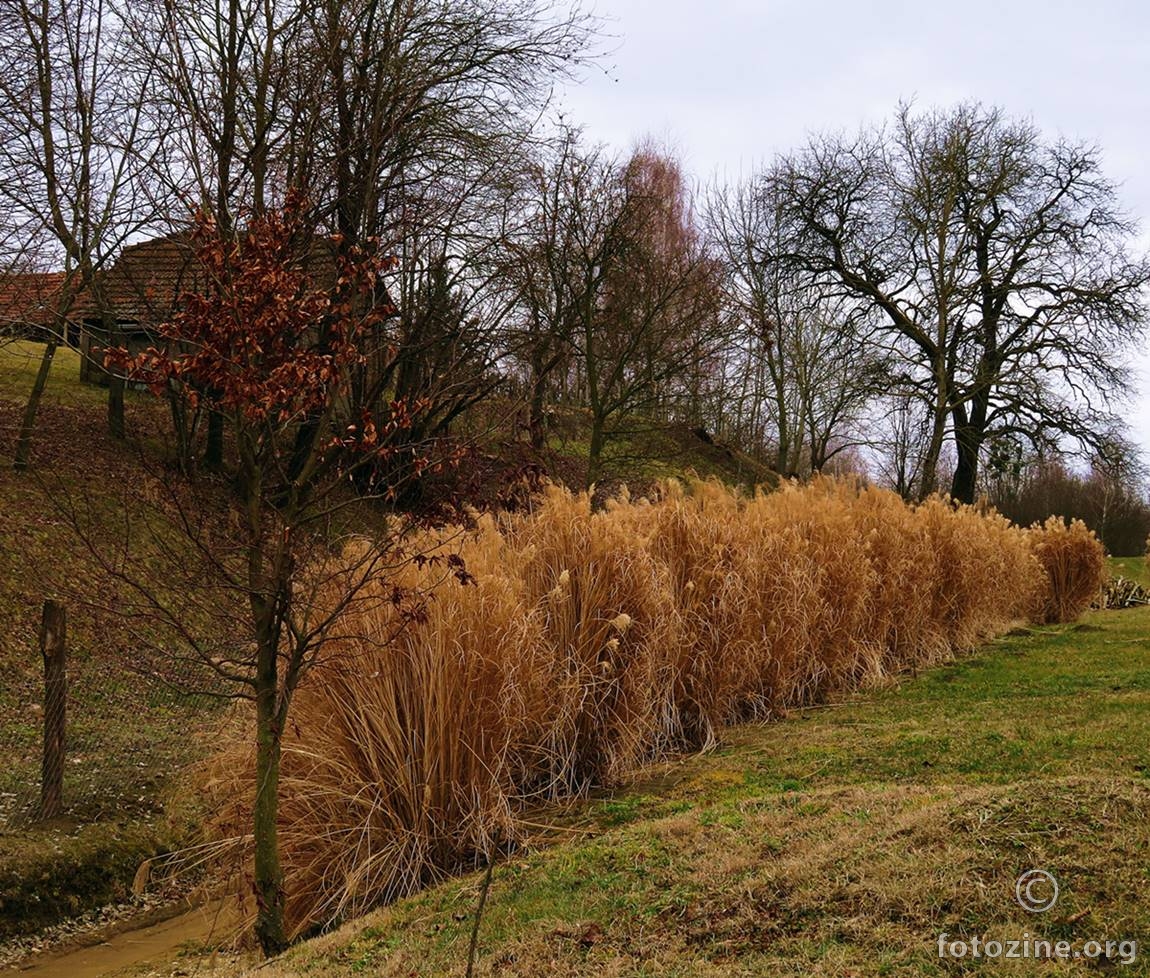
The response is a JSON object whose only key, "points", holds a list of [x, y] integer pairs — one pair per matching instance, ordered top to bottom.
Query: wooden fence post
{"points": [[53, 646]]}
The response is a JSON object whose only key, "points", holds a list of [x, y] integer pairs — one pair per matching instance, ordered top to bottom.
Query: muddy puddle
{"points": [[158, 943]]}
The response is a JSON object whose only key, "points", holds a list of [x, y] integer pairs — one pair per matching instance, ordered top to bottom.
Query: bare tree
{"points": [[226, 87], [232, 89], [425, 110], [397, 122], [75, 141], [742, 223], [543, 246], [999, 264], [623, 279], [649, 321], [442, 347], [803, 360], [836, 375], [900, 429]]}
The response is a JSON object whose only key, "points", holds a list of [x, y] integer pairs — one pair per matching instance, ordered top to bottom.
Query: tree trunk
{"points": [[115, 382], [116, 407], [536, 424], [181, 427], [969, 434], [967, 441], [819, 446], [214, 450], [595, 450], [783, 451], [23, 456], [785, 464], [929, 481], [54, 648], [268, 877]]}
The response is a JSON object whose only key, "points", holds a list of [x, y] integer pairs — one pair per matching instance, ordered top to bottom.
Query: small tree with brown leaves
{"points": [[269, 346]]}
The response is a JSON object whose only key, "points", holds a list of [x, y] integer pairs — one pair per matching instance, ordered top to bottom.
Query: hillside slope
{"points": [[129, 736], [840, 841]]}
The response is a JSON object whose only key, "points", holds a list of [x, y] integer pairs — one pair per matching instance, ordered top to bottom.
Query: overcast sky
{"points": [[729, 83]]}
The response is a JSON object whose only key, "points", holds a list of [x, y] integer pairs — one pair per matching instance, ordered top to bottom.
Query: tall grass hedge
{"points": [[592, 643]]}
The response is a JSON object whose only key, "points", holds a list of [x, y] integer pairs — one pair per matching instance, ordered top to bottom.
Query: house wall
{"points": [[93, 342]]}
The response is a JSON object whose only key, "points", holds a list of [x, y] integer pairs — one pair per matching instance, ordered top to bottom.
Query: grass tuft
{"points": [[1075, 564]]}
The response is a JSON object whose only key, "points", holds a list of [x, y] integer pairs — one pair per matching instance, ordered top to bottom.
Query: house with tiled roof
{"points": [[141, 291], [30, 306]]}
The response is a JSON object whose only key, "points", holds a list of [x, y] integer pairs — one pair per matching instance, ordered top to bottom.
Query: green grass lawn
{"points": [[19, 363], [1134, 568], [840, 841]]}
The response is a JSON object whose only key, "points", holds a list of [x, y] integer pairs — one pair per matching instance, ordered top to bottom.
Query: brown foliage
{"points": [[270, 339]]}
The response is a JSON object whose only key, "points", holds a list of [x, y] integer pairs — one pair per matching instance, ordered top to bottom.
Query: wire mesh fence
{"points": [[130, 718], [97, 738]]}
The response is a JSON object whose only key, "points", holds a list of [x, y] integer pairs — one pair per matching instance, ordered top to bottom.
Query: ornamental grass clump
{"points": [[1074, 562], [593, 642]]}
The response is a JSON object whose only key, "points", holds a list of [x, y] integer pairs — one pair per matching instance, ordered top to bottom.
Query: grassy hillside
{"points": [[19, 362], [496, 455], [1133, 568], [129, 736], [123, 739], [840, 841]]}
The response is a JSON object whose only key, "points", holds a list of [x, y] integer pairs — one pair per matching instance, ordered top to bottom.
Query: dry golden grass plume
{"points": [[1075, 564], [593, 642]]}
